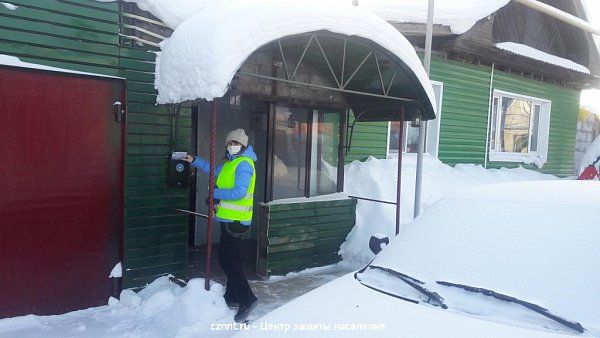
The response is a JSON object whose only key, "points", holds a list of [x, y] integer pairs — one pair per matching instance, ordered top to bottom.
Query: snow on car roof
{"points": [[204, 52], [536, 241]]}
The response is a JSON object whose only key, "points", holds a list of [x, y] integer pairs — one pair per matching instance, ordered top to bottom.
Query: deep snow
{"points": [[376, 179], [536, 241], [166, 310]]}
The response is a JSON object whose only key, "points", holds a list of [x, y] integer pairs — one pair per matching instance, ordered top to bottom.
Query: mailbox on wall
{"points": [[179, 171]]}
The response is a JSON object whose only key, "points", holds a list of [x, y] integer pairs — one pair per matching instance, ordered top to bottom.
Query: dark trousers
{"points": [[237, 289]]}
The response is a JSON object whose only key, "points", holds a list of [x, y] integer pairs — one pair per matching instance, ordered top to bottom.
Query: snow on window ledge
{"points": [[525, 158], [329, 197]]}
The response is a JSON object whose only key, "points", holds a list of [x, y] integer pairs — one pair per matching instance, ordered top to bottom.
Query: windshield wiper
{"points": [[416, 284], [384, 292], [544, 312]]}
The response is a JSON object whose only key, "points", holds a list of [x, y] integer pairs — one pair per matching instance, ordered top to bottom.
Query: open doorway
{"points": [[252, 116]]}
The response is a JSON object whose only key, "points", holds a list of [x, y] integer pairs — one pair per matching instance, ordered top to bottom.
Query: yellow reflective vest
{"points": [[235, 210]]}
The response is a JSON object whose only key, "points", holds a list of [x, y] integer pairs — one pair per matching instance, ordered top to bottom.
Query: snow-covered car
{"points": [[503, 260]]}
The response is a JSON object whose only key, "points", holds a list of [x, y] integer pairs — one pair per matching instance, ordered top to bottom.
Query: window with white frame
{"points": [[519, 128], [410, 140]]}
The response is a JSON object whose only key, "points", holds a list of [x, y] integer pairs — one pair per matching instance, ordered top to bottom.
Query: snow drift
{"points": [[376, 179]]}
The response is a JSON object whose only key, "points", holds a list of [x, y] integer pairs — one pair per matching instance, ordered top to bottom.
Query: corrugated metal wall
{"points": [[83, 35], [465, 101], [465, 116], [368, 139]]}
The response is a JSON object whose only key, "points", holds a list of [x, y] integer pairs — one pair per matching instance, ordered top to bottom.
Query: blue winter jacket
{"points": [[243, 174]]}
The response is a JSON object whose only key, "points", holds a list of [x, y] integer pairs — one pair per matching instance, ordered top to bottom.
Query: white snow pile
{"points": [[9, 6], [532, 53], [201, 57], [13, 61], [591, 155], [376, 179], [536, 241], [117, 271], [162, 309]]}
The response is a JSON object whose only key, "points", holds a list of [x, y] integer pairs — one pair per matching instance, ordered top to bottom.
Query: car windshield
{"points": [[523, 254], [493, 305]]}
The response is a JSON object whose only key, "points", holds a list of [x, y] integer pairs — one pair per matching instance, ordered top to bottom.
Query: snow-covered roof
{"points": [[171, 12], [458, 15], [205, 51], [532, 53], [8, 60]]}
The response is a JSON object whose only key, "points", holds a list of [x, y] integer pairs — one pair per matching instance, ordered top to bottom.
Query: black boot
{"points": [[230, 301], [244, 311]]}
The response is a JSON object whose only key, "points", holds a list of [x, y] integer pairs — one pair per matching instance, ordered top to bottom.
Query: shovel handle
{"points": [[192, 213]]}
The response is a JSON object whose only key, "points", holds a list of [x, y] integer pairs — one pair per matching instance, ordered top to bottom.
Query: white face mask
{"points": [[233, 150]]}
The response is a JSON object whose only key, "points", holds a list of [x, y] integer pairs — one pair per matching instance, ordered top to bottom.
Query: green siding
{"points": [[83, 35], [464, 110], [464, 119], [368, 139], [303, 235], [155, 236]]}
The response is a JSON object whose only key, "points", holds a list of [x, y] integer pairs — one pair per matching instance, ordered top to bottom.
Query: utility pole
{"points": [[423, 127]]}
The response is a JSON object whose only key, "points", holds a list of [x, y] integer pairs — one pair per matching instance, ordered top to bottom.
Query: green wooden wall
{"points": [[83, 35], [465, 101], [465, 115], [368, 139], [303, 235], [156, 238]]}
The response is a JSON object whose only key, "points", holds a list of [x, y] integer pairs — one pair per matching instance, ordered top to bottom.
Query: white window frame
{"points": [[432, 136], [538, 157]]}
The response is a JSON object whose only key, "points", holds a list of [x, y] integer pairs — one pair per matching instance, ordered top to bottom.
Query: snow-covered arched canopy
{"points": [[205, 51]]}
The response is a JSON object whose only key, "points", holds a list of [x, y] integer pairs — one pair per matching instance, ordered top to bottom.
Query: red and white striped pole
{"points": [[211, 191]]}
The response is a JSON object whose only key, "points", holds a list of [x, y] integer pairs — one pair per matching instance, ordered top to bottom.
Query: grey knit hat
{"points": [[238, 135]]}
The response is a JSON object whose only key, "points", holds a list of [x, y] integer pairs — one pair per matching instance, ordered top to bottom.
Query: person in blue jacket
{"points": [[234, 199]]}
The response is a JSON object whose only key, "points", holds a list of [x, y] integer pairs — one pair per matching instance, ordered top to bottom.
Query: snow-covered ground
{"points": [[376, 179], [533, 243], [164, 309]]}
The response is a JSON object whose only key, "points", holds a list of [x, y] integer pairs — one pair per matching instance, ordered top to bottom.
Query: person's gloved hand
{"points": [[207, 201]]}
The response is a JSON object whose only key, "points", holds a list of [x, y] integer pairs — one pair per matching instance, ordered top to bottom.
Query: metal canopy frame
{"points": [[340, 81], [341, 86]]}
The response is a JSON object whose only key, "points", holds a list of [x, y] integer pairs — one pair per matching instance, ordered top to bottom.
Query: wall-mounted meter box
{"points": [[179, 171]]}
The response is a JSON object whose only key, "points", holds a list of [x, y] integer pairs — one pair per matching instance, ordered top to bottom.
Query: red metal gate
{"points": [[61, 190]]}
